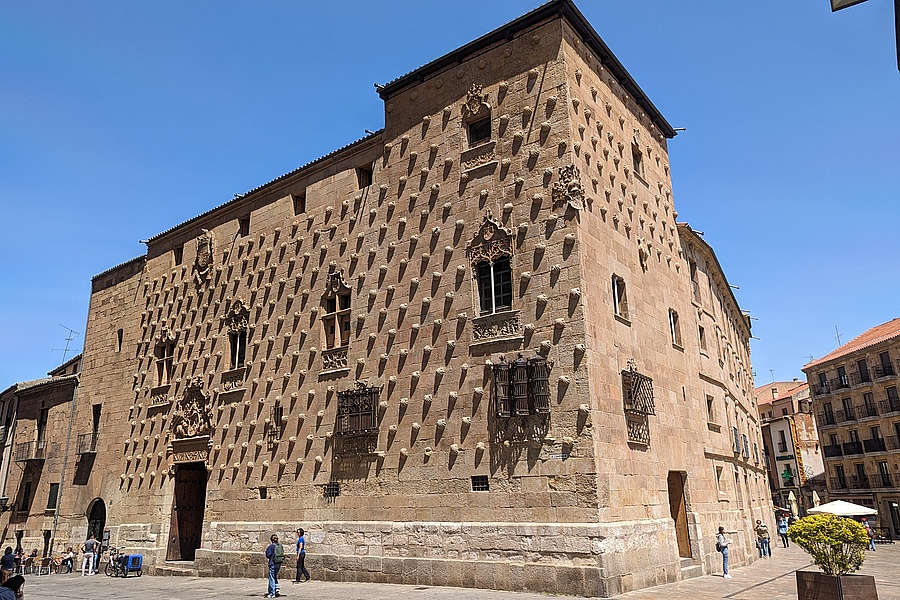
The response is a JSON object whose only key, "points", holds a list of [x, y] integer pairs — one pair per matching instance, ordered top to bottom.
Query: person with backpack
{"points": [[722, 543], [275, 556]]}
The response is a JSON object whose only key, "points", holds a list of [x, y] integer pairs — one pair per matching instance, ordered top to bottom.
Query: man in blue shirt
{"points": [[301, 557]]}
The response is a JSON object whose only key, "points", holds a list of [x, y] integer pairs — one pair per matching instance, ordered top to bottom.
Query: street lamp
{"points": [[837, 5], [4, 504]]}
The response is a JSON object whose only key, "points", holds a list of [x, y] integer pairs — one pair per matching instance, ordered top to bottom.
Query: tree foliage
{"points": [[837, 544]]}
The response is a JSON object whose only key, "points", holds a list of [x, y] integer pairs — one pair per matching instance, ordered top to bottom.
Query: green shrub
{"points": [[837, 544]]}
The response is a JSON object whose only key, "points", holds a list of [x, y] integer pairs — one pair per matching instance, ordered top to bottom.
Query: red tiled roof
{"points": [[876, 335], [793, 391]]}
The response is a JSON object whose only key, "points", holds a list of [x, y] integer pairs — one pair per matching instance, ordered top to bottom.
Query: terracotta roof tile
{"points": [[876, 335]]}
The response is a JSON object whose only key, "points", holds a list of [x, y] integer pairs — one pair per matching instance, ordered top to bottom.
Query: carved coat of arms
{"points": [[475, 100], [569, 189], [490, 243], [203, 261], [237, 316], [193, 415]]}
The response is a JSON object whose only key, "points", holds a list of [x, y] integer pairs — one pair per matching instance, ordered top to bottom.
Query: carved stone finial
{"points": [[204, 259]]}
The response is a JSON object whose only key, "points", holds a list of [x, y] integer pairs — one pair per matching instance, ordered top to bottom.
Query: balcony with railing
{"points": [[882, 371], [857, 379], [839, 383], [821, 389], [890, 405], [868, 409], [845, 414], [826, 419], [892, 442], [87, 443], [874, 445], [851, 448], [31, 451], [832, 451], [882, 480], [859, 482], [837, 484]]}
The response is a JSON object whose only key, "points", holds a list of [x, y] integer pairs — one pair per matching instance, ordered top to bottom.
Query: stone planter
{"points": [[812, 585]]}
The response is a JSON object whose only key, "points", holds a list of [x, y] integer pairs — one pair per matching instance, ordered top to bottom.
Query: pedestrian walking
{"points": [[782, 530], [870, 532], [762, 540], [722, 543], [90, 547], [275, 556], [301, 557]]}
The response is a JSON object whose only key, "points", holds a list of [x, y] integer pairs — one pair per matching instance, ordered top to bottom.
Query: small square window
{"points": [[479, 131], [637, 162], [364, 176], [299, 206], [244, 226], [178, 254], [119, 335], [480, 483], [332, 489], [263, 493]]}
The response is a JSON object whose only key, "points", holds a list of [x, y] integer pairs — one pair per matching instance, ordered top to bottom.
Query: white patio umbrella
{"points": [[816, 500], [843, 509]]}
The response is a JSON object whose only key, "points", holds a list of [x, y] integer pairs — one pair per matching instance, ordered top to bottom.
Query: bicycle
{"points": [[114, 566]]}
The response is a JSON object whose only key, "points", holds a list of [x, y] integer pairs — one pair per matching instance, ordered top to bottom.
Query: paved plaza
{"points": [[764, 580]]}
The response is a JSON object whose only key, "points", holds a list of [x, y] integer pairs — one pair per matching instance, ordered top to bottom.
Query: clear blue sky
{"points": [[119, 120]]}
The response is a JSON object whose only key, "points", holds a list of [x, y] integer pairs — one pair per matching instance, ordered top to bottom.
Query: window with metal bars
{"points": [[522, 387], [638, 392], [357, 411], [275, 427], [480, 483], [332, 489]]}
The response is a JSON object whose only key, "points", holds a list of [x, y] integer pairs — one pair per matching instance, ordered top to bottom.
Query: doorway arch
{"points": [[96, 516]]}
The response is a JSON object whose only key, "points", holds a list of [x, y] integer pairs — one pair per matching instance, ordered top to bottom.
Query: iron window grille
{"points": [[522, 387], [638, 392], [357, 411], [275, 428], [480, 483], [332, 489]]}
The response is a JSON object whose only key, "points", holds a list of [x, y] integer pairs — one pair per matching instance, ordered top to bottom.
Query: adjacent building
{"points": [[475, 348], [857, 406], [37, 447], [793, 453]]}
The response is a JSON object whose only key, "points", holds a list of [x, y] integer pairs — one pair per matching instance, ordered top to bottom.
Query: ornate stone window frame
{"points": [[336, 307], [237, 321], [164, 357]]}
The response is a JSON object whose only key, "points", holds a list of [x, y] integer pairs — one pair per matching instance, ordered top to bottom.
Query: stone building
{"points": [[470, 349], [857, 406], [36, 447], [793, 454]]}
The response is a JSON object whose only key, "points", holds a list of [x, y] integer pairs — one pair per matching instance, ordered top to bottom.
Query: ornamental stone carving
{"points": [[475, 101], [569, 189], [492, 241], [204, 259], [336, 284], [237, 316], [485, 329], [335, 359], [192, 416]]}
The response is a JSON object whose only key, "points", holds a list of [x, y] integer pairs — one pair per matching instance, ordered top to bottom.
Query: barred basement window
{"points": [[522, 387], [357, 411], [480, 483], [332, 489]]}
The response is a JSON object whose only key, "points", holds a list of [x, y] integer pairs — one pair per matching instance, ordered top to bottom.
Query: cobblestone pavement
{"points": [[771, 579]]}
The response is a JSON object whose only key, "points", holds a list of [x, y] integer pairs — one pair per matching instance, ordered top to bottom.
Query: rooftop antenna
{"points": [[72, 335], [837, 335], [809, 357], [772, 372]]}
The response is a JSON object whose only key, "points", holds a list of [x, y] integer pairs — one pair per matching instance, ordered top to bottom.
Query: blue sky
{"points": [[119, 120]]}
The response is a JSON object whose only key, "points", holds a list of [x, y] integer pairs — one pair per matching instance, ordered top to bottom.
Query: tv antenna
{"points": [[72, 335], [837, 335]]}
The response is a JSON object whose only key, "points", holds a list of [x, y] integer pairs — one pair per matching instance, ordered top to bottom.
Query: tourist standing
{"points": [[782, 530], [869, 532], [762, 540], [722, 543], [90, 547], [275, 556], [301, 557], [69, 560], [12, 588]]}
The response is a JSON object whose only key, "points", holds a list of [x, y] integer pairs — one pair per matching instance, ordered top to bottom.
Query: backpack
{"points": [[718, 547], [278, 556]]}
